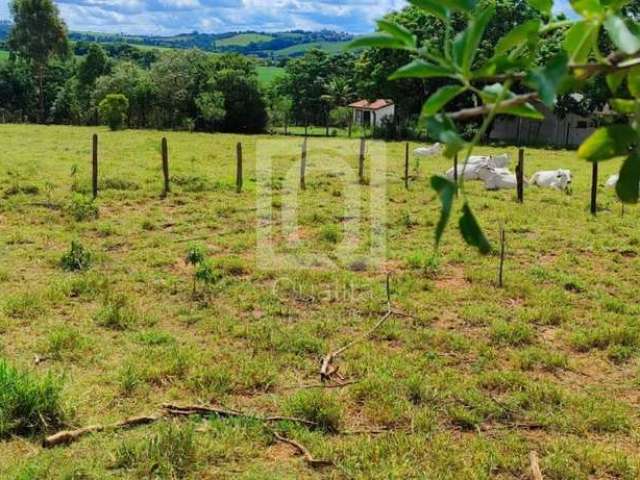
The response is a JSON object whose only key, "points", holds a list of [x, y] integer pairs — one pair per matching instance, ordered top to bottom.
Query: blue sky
{"points": [[179, 16]]}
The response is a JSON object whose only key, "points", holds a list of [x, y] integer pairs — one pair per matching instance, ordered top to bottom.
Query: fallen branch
{"points": [[327, 369], [224, 413], [69, 436], [308, 458], [536, 474]]}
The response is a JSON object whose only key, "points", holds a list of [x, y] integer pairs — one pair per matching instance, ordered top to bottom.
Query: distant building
{"points": [[372, 114], [565, 132]]}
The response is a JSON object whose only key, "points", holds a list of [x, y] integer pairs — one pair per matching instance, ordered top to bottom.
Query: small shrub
{"points": [[113, 110], [82, 208], [76, 259], [128, 379], [28, 404], [318, 407]]}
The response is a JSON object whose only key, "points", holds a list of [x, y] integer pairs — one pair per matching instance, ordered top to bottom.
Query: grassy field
{"points": [[243, 39], [4, 55], [267, 74], [463, 385]]}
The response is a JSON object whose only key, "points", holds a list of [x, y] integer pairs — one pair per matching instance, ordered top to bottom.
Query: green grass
{"points": [[243, 39], [4, 55], [266, 75], [467, 384]]}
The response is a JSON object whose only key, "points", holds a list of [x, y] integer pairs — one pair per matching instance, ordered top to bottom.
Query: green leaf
{"points": [[460, 5], [543, 6], [434, 7], [587, 8], [398, 32], [528, 32], [620, 34], [377, 40], [579, 41], [466, 43], [421, 69], [547, 80], [614, 80], [633, 82], [491, 93], [440, 98], [623, 106], [526, 110], [442, 129], [608, 142], [628, 185], [446, 191], [471, 231]]}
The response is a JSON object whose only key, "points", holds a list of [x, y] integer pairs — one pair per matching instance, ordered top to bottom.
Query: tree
{"points": [[38, 34], [95, 64], [211, 107], [66, 108], [245, 108], [113, 110]]}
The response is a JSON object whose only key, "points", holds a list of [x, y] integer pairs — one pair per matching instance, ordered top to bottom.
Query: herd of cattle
{"points": [[494, 172]]}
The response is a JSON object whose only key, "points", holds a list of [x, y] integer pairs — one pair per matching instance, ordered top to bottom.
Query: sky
{"points": [[180, 16], [164, 17]]}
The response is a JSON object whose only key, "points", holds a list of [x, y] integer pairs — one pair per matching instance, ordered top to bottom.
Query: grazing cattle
{"points": [[434, 149], [472, 171], [500, 179], [560, 179], [613, 181]]}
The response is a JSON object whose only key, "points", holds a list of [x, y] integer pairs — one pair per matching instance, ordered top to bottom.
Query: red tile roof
{"points": [[375, 105]]}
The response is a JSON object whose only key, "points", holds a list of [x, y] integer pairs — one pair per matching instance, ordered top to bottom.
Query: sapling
{"points": [[195, 256], [76, 259]]}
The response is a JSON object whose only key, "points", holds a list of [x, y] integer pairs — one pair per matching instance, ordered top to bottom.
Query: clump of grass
{"points": [[118, 184], [18, 189], [82, 208], [330, 233], [76, 259], [429, 264], [231, 265], [27, 305], [117, 313], [514, 333], [604, 336], [154, 338], [63, 340], [532, 357], [128, 378], [28, 404], [318, 407], [168, 453]]}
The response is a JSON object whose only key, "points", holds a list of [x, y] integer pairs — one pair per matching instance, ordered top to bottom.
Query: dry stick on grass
{"points": [[327, 369], [67, 437], [311, 461], [536, 474]]}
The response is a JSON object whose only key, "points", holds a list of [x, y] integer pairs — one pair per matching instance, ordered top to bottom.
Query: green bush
{"points": [[113, 110], [82, 208], [76, 259], [28, 404]]}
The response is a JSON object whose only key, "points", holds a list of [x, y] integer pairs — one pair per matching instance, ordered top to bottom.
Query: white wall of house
{"points": [[388, 111], [376, 116]]}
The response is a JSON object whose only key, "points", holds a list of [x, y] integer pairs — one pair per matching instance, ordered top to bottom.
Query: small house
{"points": [[372, 114]]}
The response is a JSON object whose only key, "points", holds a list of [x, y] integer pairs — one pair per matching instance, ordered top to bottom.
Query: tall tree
{"points": [[38, 34]]}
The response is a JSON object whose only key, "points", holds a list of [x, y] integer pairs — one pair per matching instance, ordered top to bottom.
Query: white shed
{"points": [[372, 114]]}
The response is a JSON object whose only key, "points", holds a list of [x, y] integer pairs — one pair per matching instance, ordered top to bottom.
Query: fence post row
{"points": [[363, 147], [303, 165], [94, 167], [165, 167], [239, 168], [520, 175], [594, 188]]}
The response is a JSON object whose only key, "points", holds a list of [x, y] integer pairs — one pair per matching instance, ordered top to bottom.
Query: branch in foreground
{"points": [[482, 110], [314, 462]]}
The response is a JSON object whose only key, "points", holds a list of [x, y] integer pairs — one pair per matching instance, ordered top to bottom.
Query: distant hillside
{"points": [[260, 44]]}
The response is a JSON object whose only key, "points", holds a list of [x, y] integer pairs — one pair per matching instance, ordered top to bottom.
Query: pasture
{"points": [[462, 384]]}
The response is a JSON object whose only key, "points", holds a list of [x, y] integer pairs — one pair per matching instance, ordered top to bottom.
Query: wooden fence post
{"points": [[363, 147], [303, 165], [406, 165], [94, 167], [165, 167], [239, 168], [455, 168], [520, 175], [594, 188], [502, 253]]}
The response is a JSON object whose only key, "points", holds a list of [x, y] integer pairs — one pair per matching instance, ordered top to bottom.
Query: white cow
{"points": [[434, 149], [499, 161], [472, 171], [499, 179], [560, 179], [613, 181]]}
